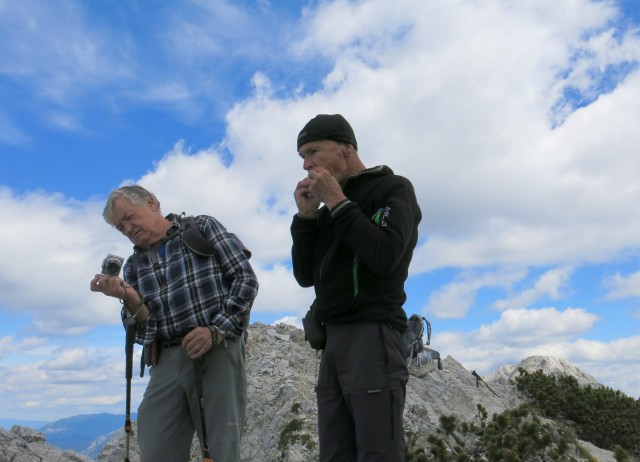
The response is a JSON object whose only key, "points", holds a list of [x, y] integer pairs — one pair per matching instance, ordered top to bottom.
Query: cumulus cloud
{"points": [[516, 122], [511, 188], [61, 246], [549, 284], [620, 286], [454, 300], [290, 320], [522, 326], [521, 333], [516, 334], [11, 344], [76, 359], [68, 381]]}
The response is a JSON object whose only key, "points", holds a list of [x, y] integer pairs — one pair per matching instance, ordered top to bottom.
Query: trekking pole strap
{"points": [[197, 369]]}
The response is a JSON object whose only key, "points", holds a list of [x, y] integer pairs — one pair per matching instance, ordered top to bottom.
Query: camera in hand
{"points": [[112, 264]]}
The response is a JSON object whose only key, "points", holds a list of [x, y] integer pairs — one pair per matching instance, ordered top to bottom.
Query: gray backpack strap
{"points": [[194, 240], [197, 243]]}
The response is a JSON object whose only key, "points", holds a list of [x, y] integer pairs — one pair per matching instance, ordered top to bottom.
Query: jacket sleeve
{"points": [[304, 233], [381, 242]]}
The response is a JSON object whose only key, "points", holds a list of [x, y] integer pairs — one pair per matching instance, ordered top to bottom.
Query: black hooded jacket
{"points": [[358, 259]]}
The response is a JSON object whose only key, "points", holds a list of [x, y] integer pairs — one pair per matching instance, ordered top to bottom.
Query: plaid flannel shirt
{"points": [[184, 290]]}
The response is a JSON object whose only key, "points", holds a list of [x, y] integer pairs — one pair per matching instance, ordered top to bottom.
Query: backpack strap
{"points": [[192, 238], [197, 243]]}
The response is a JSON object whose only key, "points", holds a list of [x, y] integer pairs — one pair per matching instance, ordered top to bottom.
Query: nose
{"points": [[307, 164], [126, 229]]}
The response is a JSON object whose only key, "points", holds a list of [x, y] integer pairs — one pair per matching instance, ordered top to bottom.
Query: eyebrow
{"points": [[308, 150], [125, 217]]}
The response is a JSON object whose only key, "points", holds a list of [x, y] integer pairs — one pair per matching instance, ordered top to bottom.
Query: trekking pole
{"points": [[128, 348], [197, 368], [479, 379]]}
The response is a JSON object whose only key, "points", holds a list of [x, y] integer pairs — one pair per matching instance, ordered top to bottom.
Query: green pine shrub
{"points": [[605, 417]]}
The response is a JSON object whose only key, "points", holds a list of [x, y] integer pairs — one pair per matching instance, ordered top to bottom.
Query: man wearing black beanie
{"points": [[353, 239]]}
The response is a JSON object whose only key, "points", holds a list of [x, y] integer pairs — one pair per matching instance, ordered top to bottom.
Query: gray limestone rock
{"points": [[281, 413]]}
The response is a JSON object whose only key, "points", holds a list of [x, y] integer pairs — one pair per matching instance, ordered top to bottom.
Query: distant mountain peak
{"points": [[549, 365]]}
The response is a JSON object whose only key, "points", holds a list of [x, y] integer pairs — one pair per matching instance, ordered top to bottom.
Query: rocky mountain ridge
{"points": [[549, 364], [281, 414], [22, 444]]}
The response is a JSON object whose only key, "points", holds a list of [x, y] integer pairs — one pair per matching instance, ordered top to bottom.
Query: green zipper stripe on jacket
{"points": [[376, 219]]}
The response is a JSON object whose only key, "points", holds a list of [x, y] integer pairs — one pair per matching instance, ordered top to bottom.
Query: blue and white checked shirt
{"points": [[184, 290]]}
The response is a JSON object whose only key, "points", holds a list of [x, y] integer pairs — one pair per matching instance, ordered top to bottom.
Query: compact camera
{"points": [[112, 264]]}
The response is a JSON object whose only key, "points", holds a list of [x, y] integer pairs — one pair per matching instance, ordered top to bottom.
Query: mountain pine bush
{"points": [[605, 417], [516, 435]]}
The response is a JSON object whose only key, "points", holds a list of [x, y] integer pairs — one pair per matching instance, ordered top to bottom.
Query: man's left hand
{"points": [[325, 187], [197, 342]]}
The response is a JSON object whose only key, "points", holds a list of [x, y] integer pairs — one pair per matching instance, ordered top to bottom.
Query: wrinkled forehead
{"points": [[315, 145], [121, 202], [122, 207]]}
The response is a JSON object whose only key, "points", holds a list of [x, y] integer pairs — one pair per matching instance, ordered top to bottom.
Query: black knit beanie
{"points": [[327, 127]]}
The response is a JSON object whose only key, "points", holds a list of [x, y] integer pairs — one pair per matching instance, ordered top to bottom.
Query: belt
{"points": [[171, 343]]}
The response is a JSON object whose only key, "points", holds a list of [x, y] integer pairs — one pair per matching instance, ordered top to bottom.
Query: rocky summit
{"points": [[281, 414], [22, 444]]}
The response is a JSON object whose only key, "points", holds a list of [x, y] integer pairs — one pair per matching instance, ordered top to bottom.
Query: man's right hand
{"points": [[306, 202], [112, 286]]}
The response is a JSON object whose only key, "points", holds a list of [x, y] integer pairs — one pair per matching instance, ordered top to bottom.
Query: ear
{"points": [[347, 150], [152, 205]]}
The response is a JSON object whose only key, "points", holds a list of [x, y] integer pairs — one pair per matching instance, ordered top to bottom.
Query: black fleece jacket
{"points": [[358, 259]]}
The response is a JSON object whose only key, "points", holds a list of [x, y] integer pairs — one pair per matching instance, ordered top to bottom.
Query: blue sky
{"points": [[516, 122]]}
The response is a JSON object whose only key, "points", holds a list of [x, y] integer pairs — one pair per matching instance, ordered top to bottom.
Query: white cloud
{"points": [[56, 49], [466, 114], [54, 251], [549, 284], [623, 286], [279, 293], [456, 298], [290, 320], [524, 327], [519, 334], [9, 345], [73, 359], [69, 381]]}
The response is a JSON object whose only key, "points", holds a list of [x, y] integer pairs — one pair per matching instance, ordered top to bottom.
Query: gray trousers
{"points": [[361, 392], [169, 412]]}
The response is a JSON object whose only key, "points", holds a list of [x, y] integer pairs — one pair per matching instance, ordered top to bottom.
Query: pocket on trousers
{"points": [[378, 418]]}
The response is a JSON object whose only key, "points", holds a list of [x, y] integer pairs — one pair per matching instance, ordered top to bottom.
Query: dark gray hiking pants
{"points": [[361, 392], [169, 413]]}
